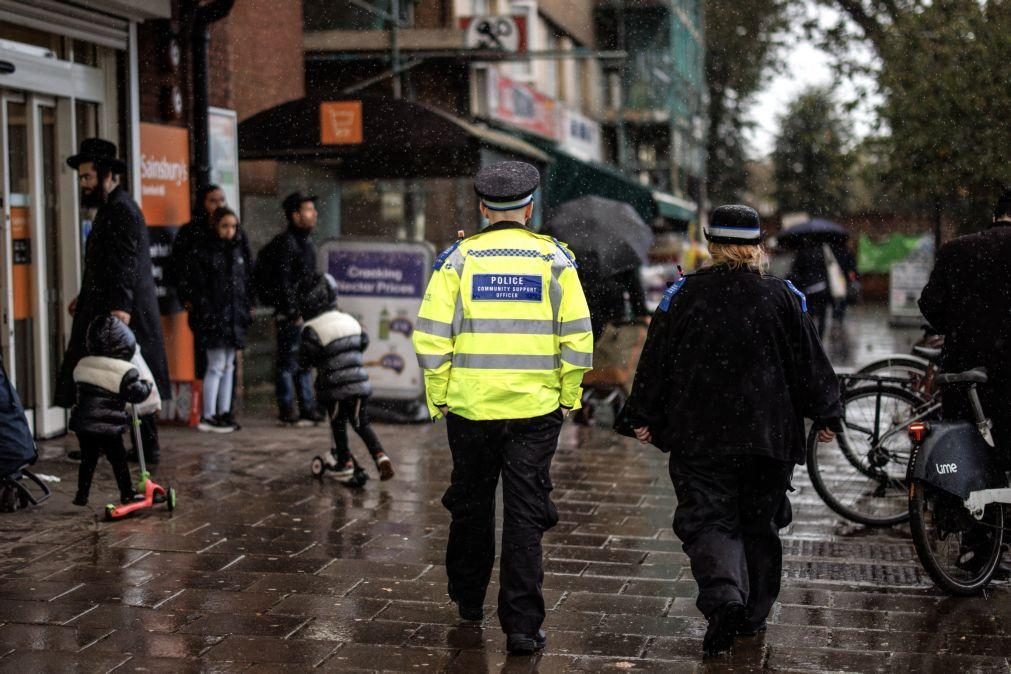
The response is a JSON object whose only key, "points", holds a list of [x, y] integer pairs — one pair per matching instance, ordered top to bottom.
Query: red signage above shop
{"points": [[522, 106], [340, 123]]}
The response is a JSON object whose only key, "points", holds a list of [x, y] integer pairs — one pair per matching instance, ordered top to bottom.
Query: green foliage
{"points": [[742, 41], [945, 69], [811, 160]]}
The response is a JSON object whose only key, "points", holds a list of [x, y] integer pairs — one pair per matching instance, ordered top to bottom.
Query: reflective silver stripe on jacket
{"points": [[513, 326], [574, 327], [437, 328], [577, 358], [430, 362], [505, 362]]}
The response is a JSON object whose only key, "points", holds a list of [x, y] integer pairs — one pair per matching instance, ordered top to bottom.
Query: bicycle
{"points": [[861, 474], [958, 490]]}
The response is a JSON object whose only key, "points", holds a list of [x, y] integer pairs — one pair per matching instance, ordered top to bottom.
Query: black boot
{"points": [[123, 481], [83, 488], [723, 626]]}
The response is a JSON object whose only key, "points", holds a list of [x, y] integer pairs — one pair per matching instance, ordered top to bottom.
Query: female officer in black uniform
{"points": [[731, 366]]}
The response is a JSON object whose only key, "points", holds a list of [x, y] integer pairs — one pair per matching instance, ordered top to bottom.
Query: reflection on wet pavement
{"points": [[263, 567]]}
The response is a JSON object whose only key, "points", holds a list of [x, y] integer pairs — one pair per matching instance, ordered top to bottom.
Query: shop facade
{"points": [[66, 73]]}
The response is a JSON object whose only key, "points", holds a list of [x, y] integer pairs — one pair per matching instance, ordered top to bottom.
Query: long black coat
{"points": [[221, 275], [117, 277], [968, 300], [333, 343], [731, 366]]}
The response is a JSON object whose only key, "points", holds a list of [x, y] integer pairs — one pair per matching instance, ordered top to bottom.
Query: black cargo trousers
{"points": [[521, 450], [729, 513]]}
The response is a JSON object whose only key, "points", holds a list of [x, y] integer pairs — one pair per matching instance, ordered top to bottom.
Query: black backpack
{"points": [[267, 271]]}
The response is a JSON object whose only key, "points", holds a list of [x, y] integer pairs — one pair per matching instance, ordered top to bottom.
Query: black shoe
{"points": [[313, 416], [288, 417], [229, 420], [213, 425], [74, 455], [130, 498], [80, 500], [471, 614], [723, 625], [747, 629], [526, 644]]}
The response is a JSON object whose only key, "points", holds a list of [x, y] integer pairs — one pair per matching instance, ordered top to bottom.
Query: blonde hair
{"points": [[737, 256]]}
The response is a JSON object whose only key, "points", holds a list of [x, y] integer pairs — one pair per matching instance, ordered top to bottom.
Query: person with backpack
{"points": [[285, 264], [220, 273], [333, 343], [106, 380]]}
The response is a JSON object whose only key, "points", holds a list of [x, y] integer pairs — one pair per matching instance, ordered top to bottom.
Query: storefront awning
{"points": [[375, 138], [569, 178], [675, 208]]}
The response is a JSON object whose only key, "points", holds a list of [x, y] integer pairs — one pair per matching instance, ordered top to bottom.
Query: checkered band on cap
{"points": [[735, 224]]}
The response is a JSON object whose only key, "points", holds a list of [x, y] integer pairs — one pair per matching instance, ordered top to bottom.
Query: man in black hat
{"points": [[283, 266], [117, 278], [504, 338]]}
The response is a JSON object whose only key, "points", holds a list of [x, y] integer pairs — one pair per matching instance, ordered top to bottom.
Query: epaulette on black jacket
{"points": [[731, 366]]}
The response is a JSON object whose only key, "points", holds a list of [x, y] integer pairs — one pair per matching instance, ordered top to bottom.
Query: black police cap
{"points": [[503, 184]]}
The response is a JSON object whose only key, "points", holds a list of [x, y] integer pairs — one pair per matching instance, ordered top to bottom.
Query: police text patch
{"points": [[507, 287]]}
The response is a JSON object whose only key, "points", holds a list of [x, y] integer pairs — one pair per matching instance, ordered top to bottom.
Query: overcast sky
{"points": [[806, 66]]}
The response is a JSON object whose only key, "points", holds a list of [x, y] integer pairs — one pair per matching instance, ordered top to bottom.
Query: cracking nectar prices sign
{"points": [[382, 284]]}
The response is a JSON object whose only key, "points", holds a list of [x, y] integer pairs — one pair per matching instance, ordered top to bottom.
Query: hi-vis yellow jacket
{"points": [[504, 330]]}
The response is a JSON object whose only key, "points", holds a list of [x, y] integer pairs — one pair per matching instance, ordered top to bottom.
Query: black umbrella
{"points": [[610, 230], [813, 231]]}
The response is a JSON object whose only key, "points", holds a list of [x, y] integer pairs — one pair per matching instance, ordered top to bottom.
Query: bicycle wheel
{"points": [[912, 368], [861, 475], [959, 552]]}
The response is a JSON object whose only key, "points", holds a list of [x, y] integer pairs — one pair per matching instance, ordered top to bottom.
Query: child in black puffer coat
{"points": [[333, 343], [106, 381]]}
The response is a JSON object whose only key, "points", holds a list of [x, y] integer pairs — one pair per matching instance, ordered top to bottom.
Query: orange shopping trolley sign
{"points": [[340, 122]]}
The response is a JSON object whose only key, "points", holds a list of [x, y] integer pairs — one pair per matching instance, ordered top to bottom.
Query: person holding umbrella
{"points": [[611, 242], [810, 271], [731, 366]]}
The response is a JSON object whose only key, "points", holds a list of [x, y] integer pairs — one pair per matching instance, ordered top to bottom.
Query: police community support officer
{"points": [[504, 338], [731, 366]]}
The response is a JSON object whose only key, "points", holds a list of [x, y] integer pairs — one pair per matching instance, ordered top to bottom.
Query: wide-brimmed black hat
{"points": [[99, 151]]}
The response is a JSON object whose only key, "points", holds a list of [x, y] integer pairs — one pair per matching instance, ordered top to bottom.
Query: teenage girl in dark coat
{"points": [[220, 272]]}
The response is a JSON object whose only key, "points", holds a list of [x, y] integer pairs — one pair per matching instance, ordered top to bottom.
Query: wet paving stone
{"points": [[263, 568]]}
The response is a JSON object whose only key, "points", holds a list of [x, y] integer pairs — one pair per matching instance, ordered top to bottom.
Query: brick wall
{"points": [[261, 55]]}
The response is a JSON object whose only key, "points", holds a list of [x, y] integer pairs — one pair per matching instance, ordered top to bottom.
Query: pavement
{"points": [[263, 568]]}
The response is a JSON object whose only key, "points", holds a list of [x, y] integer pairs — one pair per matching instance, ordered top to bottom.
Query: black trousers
{"points": [[353, 411], [93, 446], [521, 451], [729, 512]]}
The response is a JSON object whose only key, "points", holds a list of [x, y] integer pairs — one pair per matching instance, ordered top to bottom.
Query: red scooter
{"points": [[154, 493]]}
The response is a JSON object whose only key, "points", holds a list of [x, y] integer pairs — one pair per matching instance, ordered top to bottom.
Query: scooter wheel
{"points": [[317, 467], [170, 499], [108, 512]]}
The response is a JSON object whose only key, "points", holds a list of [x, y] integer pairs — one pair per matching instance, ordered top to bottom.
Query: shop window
{"points": [[85, 53], [86, 119]]}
